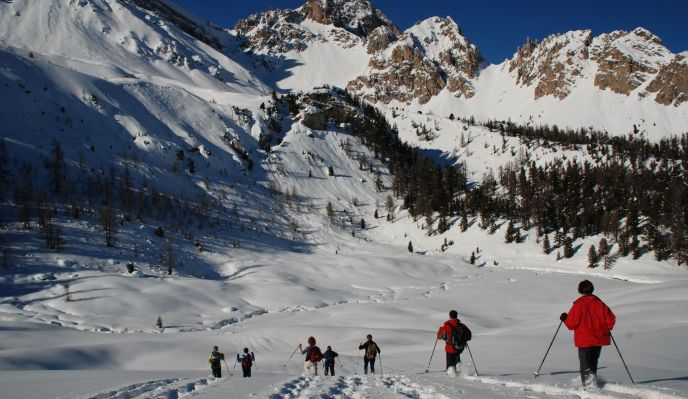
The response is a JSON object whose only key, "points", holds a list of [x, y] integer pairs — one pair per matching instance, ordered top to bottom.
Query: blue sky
{"points": [[498, 27]]}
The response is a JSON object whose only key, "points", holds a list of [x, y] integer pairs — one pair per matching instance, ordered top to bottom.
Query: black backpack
{"points": [[459, 336], [216, 358]]}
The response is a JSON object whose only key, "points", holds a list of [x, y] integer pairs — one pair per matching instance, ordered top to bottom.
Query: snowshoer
{"points": [[591, 321], [456, 335], [371, 351], [313, 356], [329, 357], [215, 360], [246, 360]]}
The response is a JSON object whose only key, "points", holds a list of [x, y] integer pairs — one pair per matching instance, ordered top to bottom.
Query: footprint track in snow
{"points": [[169, 388]]}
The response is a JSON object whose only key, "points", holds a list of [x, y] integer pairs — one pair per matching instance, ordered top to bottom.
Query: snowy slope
{"points": [[274, 267]]}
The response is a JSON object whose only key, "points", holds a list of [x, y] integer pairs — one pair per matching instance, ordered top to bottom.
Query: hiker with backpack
{"points": [[591, 321], [456, 335], [371, 351], [313, 356], [329, 357], [215, 360], [246, 360]]}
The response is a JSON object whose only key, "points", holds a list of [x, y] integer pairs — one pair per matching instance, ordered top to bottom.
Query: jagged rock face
{"points": [[357, 16], [274, 31], [379, 39], [445, 45], [427, 58], [626, 60], [623, 62], [553, 65], [403, 76], [671, 83], [314, 118]]}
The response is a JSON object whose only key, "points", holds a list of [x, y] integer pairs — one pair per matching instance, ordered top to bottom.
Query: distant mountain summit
{"points": [[357, 16], [626, 63], [610, 82]]}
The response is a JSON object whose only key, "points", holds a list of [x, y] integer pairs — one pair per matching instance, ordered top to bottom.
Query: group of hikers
{"points": [[589, 318], [246, 359]]}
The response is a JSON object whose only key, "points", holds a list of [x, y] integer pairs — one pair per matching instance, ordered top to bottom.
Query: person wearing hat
{"points": [[591, 321], [456, 335], [371, 351]]}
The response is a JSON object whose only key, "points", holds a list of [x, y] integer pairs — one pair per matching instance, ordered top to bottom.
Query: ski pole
{"points": [[292, 355], [622, 359], [473, 360], [358, 361], [227, 367], [427, 369], [382, 373], [537, 373]]}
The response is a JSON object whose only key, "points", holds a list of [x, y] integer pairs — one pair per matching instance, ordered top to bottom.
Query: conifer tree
{"points": [[57, 164], [329, 211], [464, 222], [509, 235], [545, 245], [410, 247], [568, 247], [603, 247], [592, 257], [472, 259]]}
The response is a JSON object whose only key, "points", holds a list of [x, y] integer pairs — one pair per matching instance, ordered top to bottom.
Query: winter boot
{"points": [[451, 371], [589, 379]]}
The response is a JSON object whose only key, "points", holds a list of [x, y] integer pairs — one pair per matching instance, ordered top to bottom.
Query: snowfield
{"points": [[269, 268], [104, 343]]}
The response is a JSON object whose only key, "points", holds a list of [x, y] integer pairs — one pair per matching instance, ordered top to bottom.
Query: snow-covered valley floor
{"points": [[54, 348]]}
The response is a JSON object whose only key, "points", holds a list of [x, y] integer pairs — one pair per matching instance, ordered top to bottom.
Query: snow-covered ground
{"points": [[275, 271], [104, 343]]}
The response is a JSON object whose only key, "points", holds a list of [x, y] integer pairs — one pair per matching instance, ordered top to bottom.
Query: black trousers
{"points": [[454, 358], [588, 358], [367, 361], [329, 367], [246, 370], [217, 371]]}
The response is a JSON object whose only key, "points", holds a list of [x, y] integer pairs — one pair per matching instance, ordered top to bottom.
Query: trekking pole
{"points": [[292, 355], [622, 359], [473, 360], [358, 361], [227, 367], [427, 369], [382, 373], [537, 373]]}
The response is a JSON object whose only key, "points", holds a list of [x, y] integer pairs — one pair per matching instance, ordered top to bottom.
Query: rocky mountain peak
{"points": [[356, 16], [427, 58], [623, 62], [552, 66]]}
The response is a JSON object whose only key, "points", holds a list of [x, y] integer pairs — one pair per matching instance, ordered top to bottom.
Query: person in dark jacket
{"points": [[591, 321], [453, 349], [371, 351], [329, 357], [215, 360], [246, 360]]}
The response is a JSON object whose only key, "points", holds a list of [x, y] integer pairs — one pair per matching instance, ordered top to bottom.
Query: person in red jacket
{"points": [[591, 321], [456, 335]]}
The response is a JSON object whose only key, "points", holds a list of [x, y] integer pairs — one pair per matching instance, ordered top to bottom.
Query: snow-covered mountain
{"points": [[610, 82], [253, 215]]}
